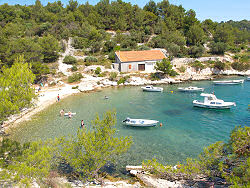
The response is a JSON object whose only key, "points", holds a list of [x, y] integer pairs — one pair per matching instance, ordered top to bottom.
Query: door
{"points": [[141, 67]]}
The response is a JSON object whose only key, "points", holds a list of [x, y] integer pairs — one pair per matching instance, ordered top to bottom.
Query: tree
{"points": [[195, 35], [218, 47], [50, 48], [196, 51], [165, 66], [15, 92], [91, 149]]}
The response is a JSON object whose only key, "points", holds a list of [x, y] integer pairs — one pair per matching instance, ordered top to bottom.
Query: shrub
{"points": [[218, 47], [196, 51], [90, 59], [69, 60], [197, 65], [219, 65], [241, 66], [74, 68], [182, 69], [98, 70], [173, 73], [112, 76], [154, 76], [75, 77], [122, 80], [75, 87]]}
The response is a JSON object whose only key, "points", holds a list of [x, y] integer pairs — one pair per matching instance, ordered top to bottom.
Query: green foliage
{"points": [[195, 35], [218, 47], [196, 51], [90, 59], [70, 60], [197, 65], [219, 65], [164, 66], [241, 66], [74, 68], [182, 69], [98, 70], [112, 76], [154, 76], [75, 77], [15, 92], [91, 149], [230, 161]]}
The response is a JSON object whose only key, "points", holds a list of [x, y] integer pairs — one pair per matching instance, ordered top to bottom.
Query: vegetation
{"points": [[70, 60], [197, 65], [165, 66], [98, 70], [112, 76], [75, 77], [15, 90], [84, 154], [229, 161]]}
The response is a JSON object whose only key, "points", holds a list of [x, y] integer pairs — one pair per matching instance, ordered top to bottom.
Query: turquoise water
{"points": [[185, 131]]}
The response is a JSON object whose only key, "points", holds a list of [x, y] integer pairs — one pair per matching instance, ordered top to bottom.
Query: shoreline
{"points": [[48, 96]]}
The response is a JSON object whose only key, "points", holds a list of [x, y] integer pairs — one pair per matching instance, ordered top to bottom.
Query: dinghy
{"points": [[190, 89], [140, 122]]}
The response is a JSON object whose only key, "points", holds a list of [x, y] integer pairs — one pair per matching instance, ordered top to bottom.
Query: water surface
{"points": [[186, 129]]}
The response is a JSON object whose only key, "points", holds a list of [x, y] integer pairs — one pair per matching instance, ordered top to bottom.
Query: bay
{"points": [[185, 132]]}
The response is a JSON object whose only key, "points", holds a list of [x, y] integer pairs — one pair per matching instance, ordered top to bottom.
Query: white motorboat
{"points": [[248, 78], [228, 82], [152, 89], [190, 89], [210, 101], [140, 122]]}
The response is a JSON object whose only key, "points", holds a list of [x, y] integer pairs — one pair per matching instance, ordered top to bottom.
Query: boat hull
{"points": [[230, 82], [152, 89], [190, 90], [202, 105], [140, 122]]}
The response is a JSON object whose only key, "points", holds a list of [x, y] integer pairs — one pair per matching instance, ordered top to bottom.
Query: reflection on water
{"points": [[185, 131]]}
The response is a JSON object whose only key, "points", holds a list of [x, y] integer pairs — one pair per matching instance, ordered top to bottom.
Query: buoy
{"points": [[172, 91]]}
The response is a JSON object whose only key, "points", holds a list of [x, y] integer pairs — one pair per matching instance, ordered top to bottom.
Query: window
{"points": [[129, 66]]}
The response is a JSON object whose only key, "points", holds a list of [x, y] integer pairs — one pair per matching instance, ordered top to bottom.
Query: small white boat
{"points": [[248, 78], [228, 82], [152, 89], [190, 89], [210, 101], [67, 114], [140, 122]]}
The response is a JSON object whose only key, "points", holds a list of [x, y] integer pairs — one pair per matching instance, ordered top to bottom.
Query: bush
{"points": [[218, 47], [196, 51], [90, 59], [69, 60], [197, 65], [219, 65], [241, 66], [74, 68], [182, 69], [98, 70], [173, 73], [112, 76], [154, 76], [75, 77], [122, 80], [75, 87]]}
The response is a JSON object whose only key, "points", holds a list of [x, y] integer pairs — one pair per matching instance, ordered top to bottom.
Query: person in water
{"points": [[58, 98], [62, 112], [69, 114], [82, 124], [160, 124]]}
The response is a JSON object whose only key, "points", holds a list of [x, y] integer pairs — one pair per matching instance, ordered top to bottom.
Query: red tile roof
{"points": [[146, 55]]}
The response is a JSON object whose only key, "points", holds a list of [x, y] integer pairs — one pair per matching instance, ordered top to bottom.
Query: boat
{"points": [[248, 78], [228, 82], [152, 89], [190, 89], [210, 101], [67, 114], [140, 122]]}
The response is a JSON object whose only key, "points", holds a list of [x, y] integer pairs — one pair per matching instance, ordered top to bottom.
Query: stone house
{"points": [[132, 61]]}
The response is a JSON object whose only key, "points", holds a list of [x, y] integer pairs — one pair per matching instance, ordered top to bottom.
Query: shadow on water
{"points": [[173, 112], [139, 128]]}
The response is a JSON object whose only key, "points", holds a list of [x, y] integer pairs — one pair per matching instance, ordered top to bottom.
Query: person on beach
{"points": [[58, 98], [62, 112], [69, 114], [82, 124]]}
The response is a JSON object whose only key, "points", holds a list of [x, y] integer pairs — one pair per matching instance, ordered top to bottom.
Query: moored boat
{"points": [[248, 78], [228, 82], [152, 89], [190, 89], [210, 101], [67, 114], [140, 122]]}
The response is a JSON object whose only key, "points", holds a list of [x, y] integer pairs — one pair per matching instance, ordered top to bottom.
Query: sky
{"points": [[217, 10]]}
